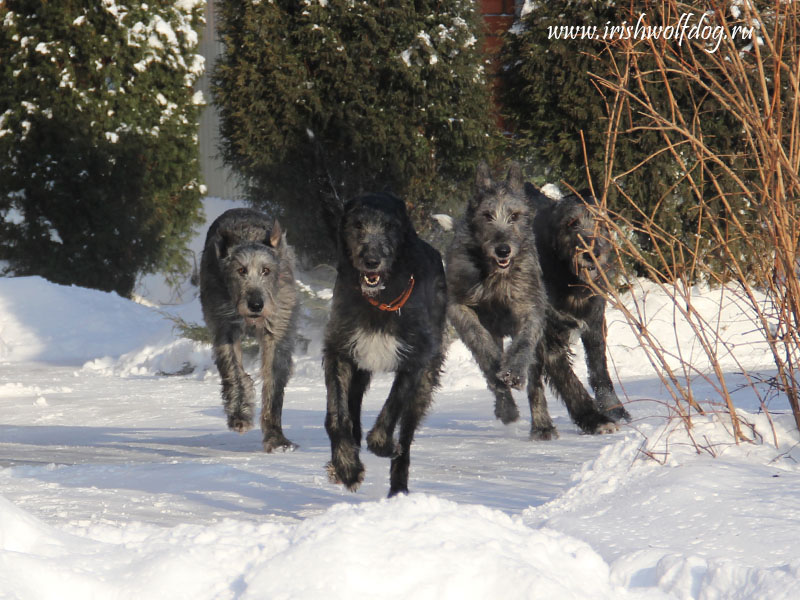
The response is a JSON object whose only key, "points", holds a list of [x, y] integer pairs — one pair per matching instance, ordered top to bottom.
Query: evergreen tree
{"points": [[324, 99], [560, 115], [98, 138]]}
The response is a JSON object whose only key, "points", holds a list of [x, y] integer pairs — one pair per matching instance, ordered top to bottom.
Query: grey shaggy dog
{"points": [[574, 251], [247, 285], [495, 287], [496, 290], [388, 314]]}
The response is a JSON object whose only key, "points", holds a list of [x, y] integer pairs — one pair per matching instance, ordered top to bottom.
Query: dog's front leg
{"points": [[594, 343], [487, 353], [517, 359], [276, 367], [237, 386], [414, 408], [380, 439], [345, 466]]}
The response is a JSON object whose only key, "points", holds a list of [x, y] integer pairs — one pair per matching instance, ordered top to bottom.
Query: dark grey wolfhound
{"points": [[574, 250], [247, 285], [496, 290], [388, 314]]}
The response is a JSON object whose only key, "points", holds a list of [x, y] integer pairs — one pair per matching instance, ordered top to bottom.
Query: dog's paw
{"points": [[513, 378], [610, 405], [506, 410], [618, 413], [240, 423], [596, 423], [610, 427], [543, 434], [277, 441], [383, 445], [349, 473], [399, 490]]}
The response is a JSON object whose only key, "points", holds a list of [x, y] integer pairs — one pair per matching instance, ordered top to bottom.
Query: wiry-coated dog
{"points": [[574, 250], [495, 283], [247, 285], [388, 314]]}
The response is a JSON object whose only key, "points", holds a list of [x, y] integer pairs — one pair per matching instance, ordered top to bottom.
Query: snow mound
{"points": [[43, 321], [740, 344], [171, 357], [625, 463], [661, 475], [420, 547], [429, 548], [697, 577]]}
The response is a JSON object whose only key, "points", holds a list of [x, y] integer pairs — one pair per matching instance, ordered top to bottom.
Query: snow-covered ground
{"points": [[118, 478]]}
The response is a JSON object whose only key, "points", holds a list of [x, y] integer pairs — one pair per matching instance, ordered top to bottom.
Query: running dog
{"points": [[573, 251], [247, 285], [496, 291], [388, 314]]}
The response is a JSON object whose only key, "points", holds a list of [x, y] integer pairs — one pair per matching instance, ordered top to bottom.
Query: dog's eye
{"points": [[488, 216], [514, 217], [573, 223], [358, 225], [265, 270], [242, 271]]}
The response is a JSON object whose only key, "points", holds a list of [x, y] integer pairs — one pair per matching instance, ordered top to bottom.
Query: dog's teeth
{"points": [[371, 279]]}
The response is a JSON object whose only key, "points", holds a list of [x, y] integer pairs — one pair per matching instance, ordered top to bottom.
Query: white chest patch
{"points": [[375, 351]]}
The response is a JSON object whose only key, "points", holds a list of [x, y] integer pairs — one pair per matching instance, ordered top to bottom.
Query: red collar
{"points": [[397, 303]]}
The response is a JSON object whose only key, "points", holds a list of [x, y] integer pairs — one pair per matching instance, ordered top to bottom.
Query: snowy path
{"points": [[76, 441], [120, 484]]}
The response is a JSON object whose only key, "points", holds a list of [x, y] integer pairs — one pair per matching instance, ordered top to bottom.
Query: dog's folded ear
{"points": [[514, 179], [275, 236]]}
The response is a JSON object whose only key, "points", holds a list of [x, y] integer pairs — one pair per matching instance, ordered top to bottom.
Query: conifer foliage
{"points": [[323, 99], [560, 112], [99, 175]]}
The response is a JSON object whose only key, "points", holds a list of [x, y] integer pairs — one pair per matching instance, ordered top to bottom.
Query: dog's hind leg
{"points": [[594, 344], [487, 353], [276, 368], [237, 386], [580, 406], [542, 427], [345, 466]]}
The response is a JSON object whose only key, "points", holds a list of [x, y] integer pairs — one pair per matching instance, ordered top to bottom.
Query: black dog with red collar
{"points": [[388, 314]]}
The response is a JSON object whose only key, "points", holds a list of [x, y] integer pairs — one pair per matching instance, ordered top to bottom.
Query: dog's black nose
{"points": [[502, 251], [372, 264], [255, 304]]}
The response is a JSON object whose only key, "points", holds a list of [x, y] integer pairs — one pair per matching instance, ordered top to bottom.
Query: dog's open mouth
{"points": [[503, 263], [371, 279]]}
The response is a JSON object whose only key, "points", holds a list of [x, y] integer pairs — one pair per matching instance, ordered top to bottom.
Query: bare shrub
{"points": [[746, 201]]}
